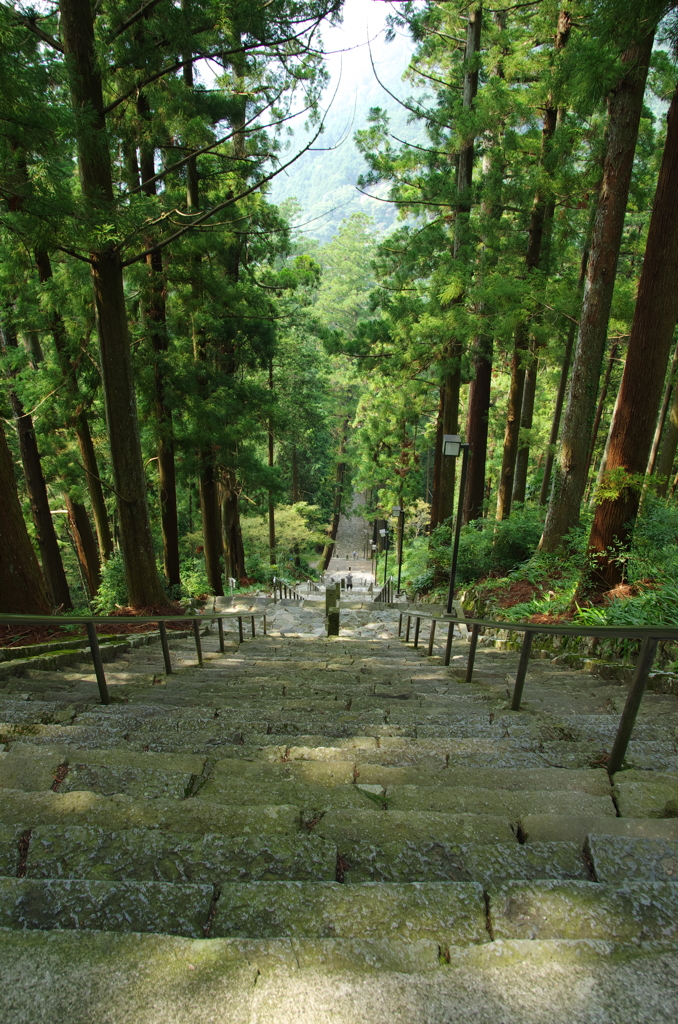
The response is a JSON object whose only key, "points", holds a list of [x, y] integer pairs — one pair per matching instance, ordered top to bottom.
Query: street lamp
{"points": [[453, 446], [399, 514], [385, 534], [375, 556]]}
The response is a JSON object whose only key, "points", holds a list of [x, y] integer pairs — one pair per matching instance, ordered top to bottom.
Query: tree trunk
{"points": [[624, 110], [94, 162], [156, 317], [642, 383], [601, 406], [557, 413], [526, 417], [477, 428], [659, 430], [511, 432], [667, 454], [89, 459], [271, 460], [437, 462], [448, 465], [295, 497], [338, 497], [211, 526], [85, 544], [234, 552], [52, 565], [22, 587]]}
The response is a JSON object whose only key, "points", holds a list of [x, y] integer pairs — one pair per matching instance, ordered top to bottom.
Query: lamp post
{"points": [[453, 446], [399, 513], [385, 534], [375, 556]]}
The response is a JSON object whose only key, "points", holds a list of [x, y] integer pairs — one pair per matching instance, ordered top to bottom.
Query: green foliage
{"points": [[112, 593]]}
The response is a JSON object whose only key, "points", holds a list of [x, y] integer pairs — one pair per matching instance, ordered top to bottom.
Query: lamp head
{"points": [[451, 445], [396, 510]]}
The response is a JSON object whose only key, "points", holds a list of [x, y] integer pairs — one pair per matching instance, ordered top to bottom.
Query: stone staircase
{"points": [[334, 830]]}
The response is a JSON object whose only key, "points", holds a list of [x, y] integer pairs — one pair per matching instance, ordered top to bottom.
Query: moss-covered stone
{"points": [[592, 781], [144, 784], [646, 794], [515, 804], [343, 826], [550, 828], [9, 850], [155, 855], [617, 859], [108, 906], [447, 912], [643, 912]]}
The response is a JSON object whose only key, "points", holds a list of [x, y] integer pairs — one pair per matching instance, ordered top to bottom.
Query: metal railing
{"points": [[313, 588], [284, 591], [385, 595], [90, 623], [650, 637]]}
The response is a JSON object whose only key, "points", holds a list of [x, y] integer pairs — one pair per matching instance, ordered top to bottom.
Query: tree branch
{"points": [[133, 18]]}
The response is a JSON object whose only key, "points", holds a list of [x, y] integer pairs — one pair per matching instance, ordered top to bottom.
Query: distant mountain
{"points": [[324, 183]]}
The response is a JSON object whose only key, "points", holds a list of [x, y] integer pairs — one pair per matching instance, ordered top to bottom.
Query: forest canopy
{"points": [[193, 390]]}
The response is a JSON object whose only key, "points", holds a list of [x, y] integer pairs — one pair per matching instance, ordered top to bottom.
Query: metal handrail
{"points": [[313, 588], [288, 592], [385, 595], [90, 623], [650, 636]]}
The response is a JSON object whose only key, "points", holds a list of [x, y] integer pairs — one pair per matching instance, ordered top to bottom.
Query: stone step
{"points": [[592, 781], [646, 794], [514, 804], [30, 810], [344, 827], [551, 828], [616, 859], [170, 909], [446, 912], [632, 913]]}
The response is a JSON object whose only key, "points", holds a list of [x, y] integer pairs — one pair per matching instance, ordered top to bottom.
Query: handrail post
{"points": [[252, 617], [417, 622], [220, 623], [264, 623], [400, 624], [407, 631], [240, 636], [431, 637], [198, 645], [448, 645], [165, 648], [472, 653], [98, 663], [522, 670], [632, 706]]}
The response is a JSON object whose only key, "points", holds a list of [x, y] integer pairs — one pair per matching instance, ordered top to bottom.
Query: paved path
{"points": [[334, 831]]}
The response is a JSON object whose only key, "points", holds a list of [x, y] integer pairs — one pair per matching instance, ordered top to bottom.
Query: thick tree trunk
{"points": [[624, 109], [94, 164], [642, 383], [557, 413], [526, 417], [477, 427], [512, 429], [667, 453], [271, 460], [437, 462], [211, 525], [85, 544], [234, 551], [52, 565], [22, 587]]}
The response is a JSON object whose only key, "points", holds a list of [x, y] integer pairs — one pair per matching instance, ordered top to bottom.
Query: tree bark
{"points": [[624, 110], [94, 164], [156, 317], [642, 383], [601, 406], [663, 412], [557, 413], [526, 417], [81, 423], [477, 428], [511, 431], [667, 453], [271, 460], [437, 462], [448, 465], [338, 497], [85, 544], [234, 552], [53, 568], [22, 587]]}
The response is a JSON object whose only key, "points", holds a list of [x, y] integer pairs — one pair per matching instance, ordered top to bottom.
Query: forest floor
{"points": [[334, 831]]}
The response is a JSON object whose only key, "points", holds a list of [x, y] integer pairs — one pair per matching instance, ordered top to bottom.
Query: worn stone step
{"points": [[592, 781], [642, 794], [513, 803], [29, 810], [352, 826], [549, 828], [146, 855], [616, 859], [485, 863], [108, 906], [447, 912], [634, 912]]}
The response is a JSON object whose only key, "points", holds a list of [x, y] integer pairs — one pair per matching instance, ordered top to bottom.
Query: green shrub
{"points": [[113, 590]]}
